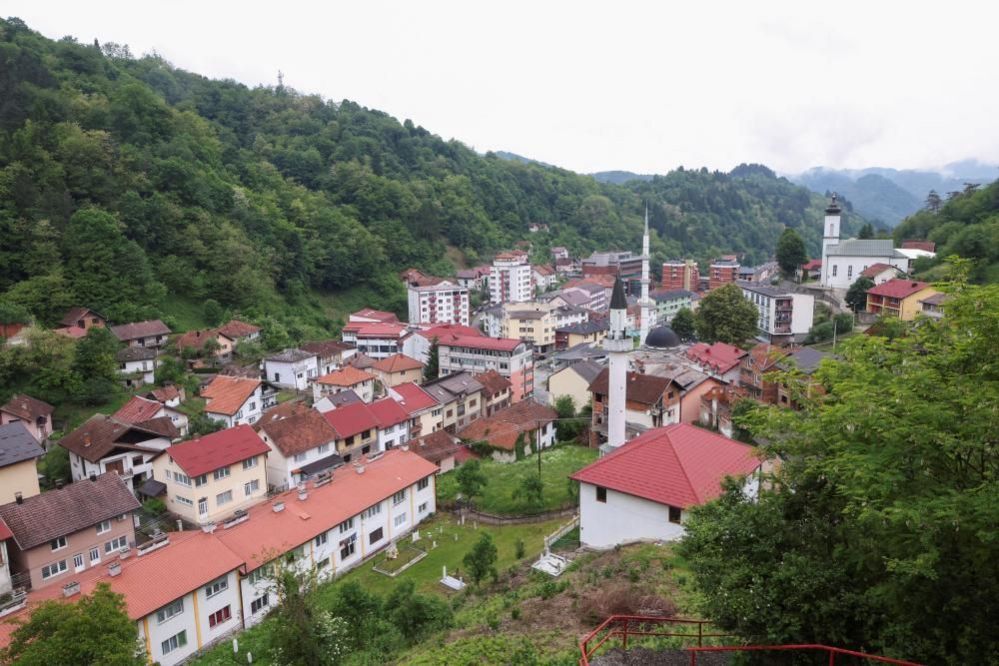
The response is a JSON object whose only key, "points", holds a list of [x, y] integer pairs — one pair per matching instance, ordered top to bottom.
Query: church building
{"points": [[844, 260]]}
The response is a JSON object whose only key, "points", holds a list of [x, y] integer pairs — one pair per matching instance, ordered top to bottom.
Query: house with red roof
{"points": [[880, 273], [899, 298], [371, 316], [240, 331], [149, 333], [419, 343], [719, 360], [397, 369], [347, 378], [233, 400], [139, 409], [34, 413], [425, 413], [527, 422], [393, 423], [356, 429], [208, 480], [643, 490]]}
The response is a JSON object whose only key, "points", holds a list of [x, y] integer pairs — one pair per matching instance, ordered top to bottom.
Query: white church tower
{"points": [[830, 236], [645, 303], [617, 344]]}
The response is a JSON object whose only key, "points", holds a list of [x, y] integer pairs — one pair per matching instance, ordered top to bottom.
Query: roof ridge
{"points": [[676, 454]]}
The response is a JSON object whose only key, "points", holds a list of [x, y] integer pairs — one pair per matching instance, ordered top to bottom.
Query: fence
{"points": [[492, 519], [832, 652]]}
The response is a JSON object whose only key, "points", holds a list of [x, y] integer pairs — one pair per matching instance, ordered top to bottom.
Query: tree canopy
{"points": [[791, 253], [724, 315], [878, 530]]}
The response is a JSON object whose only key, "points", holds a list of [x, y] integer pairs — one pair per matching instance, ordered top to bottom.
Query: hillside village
{"points": [[329, 455]]}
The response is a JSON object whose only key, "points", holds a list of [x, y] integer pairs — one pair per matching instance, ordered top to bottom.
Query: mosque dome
{"points": [[662, 336]]}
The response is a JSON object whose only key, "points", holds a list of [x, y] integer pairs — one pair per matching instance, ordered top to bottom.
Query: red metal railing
{"points": [[624, 626], [831, 651]]}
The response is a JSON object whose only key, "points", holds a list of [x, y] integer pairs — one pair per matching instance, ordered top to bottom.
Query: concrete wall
{"points": [[622, 518]]}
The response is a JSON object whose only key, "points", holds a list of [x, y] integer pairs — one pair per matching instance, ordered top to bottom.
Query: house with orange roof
{"points": [[880, 273], [899, 298], [371, 316], [77, 321], [240, 331], [193, 342], [719, 360], [397, 369], [347, 378], [233, 400], [139, 410], [425, 413], [527, 422], [356, 429], [215, 477], [644, 490]]}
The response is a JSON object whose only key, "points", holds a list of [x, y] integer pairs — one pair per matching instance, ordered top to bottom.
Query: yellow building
{"points": [[899, 298], [530, 322], [397, 369], [574, 381], [19, 453], [207, 480]]}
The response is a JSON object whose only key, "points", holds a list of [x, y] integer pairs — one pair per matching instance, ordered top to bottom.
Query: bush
{"points": [[519, 548], [622, 599]]}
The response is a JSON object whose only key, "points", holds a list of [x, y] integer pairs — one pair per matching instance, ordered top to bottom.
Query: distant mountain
{"points": [[514, 157], [619, 177], [890, 195]]}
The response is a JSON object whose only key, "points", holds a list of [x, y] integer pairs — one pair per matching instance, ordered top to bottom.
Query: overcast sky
{"points": [[595, 86]]}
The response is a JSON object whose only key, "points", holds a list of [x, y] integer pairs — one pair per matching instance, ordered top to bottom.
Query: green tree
{"points": [[866, 231], [791, 252], [856, 295], [214, 313], [724, 315], [684, 324], [96, 365], [432, 369], [569, 424], [199, 425], [471, 479], [531, 490], [884, 506], [481, 560], [416, 615], [94, 630], [301, 631]]}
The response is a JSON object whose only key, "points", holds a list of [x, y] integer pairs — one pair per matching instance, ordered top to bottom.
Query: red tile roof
{"points": [[928, 246], [812, 265], [876, 269], [897, 288], [76, 314], [376, 315], [140, 329], [236, 329], [376, 329], [448, 331], [74, 332], [197, 339], [483, 343], [325, 348], [719, 356], [763, 356], [397, 363], [346, 376], [493, 383], [165, 394], [227, 395], [412, 398], [27, 408], [137, 410], [388, 412], [351, 419], [504, 427], [299, 432], [101, 434], [436, 446], [219, 449], [464, 453], [680, 465], [350, 493], [5, 532]]}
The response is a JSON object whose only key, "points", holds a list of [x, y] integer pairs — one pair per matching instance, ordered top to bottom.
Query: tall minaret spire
{"points": [[645, 303], [617, 344]]}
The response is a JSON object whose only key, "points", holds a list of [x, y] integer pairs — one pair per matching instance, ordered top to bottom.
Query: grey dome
{"points": [[662, 336]]}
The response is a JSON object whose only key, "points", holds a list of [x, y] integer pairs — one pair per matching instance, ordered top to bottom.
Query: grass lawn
{"points": [[185, 315], [828, 345], [72, 415], [504, 481]]}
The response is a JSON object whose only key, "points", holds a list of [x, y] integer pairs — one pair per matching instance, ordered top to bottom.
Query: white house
{"points": [[782, 315], [151, 333], [376, 339], [330, 354], [136, 365], [291, 369], [347, 378], [233, 400], [139, 410], [393, 423], [105, 444], [302, 446], [643, 490]]}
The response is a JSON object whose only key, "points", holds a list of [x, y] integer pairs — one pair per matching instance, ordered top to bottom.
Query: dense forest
{"points": [[127, 184], [965, 224]]}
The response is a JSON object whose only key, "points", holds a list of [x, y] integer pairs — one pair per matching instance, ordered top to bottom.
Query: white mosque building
{"points": [[844, 260]]}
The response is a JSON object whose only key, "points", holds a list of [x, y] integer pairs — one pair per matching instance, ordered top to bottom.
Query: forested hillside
{"points": [[127, 184], [966, 224]]}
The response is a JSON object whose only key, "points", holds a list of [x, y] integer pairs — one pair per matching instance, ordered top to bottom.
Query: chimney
{"points": [[93, 476], [58, 484], [303, 494], [19, 498], [278, 507], [114, 569]]}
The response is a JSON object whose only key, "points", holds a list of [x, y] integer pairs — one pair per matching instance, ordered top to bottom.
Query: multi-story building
{"points": [[625, 265], [722, 272], [681, 274], [544, 278], [510, 279], [899, 298], [434, 300], [670, 301], [784, 316], [531, 322], [592, 331], [151, 333], [376, 340], [330, 354], [514, 359], [762, 359], [719, 360], [136, 365], [291, 369], [397, 369], [347, 378], [495, 391], [460, 395], [233, 400], [650, 402], [141, 410], [425, 413], [393, 423], [356, 429], [105, 444], [302, 444], [19, 454], [210, 479], [64, 531]]}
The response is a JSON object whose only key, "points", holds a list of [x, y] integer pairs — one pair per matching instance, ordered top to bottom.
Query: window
{"points": [[834, 270], [849, 271], [323, 448], [365, 450], [300, 457], [250, 463], [220, 473], [169, 475], [182, 479], [200, 480], [423, 483], [251, 487], [601, 494], [399, 497], [223, 498], [183, 500], [203, 506], [422, 508], [373, 511], [674, 514], [399, 520], [347, 525], [104, 526], [375, 536], [321, 539], [58, 543], [116, 544], [347, 546], [95, 555], [78, 562], [322, 564], [53, 569], [216, 586], [259, 604], [169, 611], [219, 616], [174, 642]]}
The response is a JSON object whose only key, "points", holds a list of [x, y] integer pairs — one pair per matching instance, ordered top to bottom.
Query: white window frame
{"points": [[104, 526], [58, 543], [217, 586], [170, 611], [176, 641]]}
